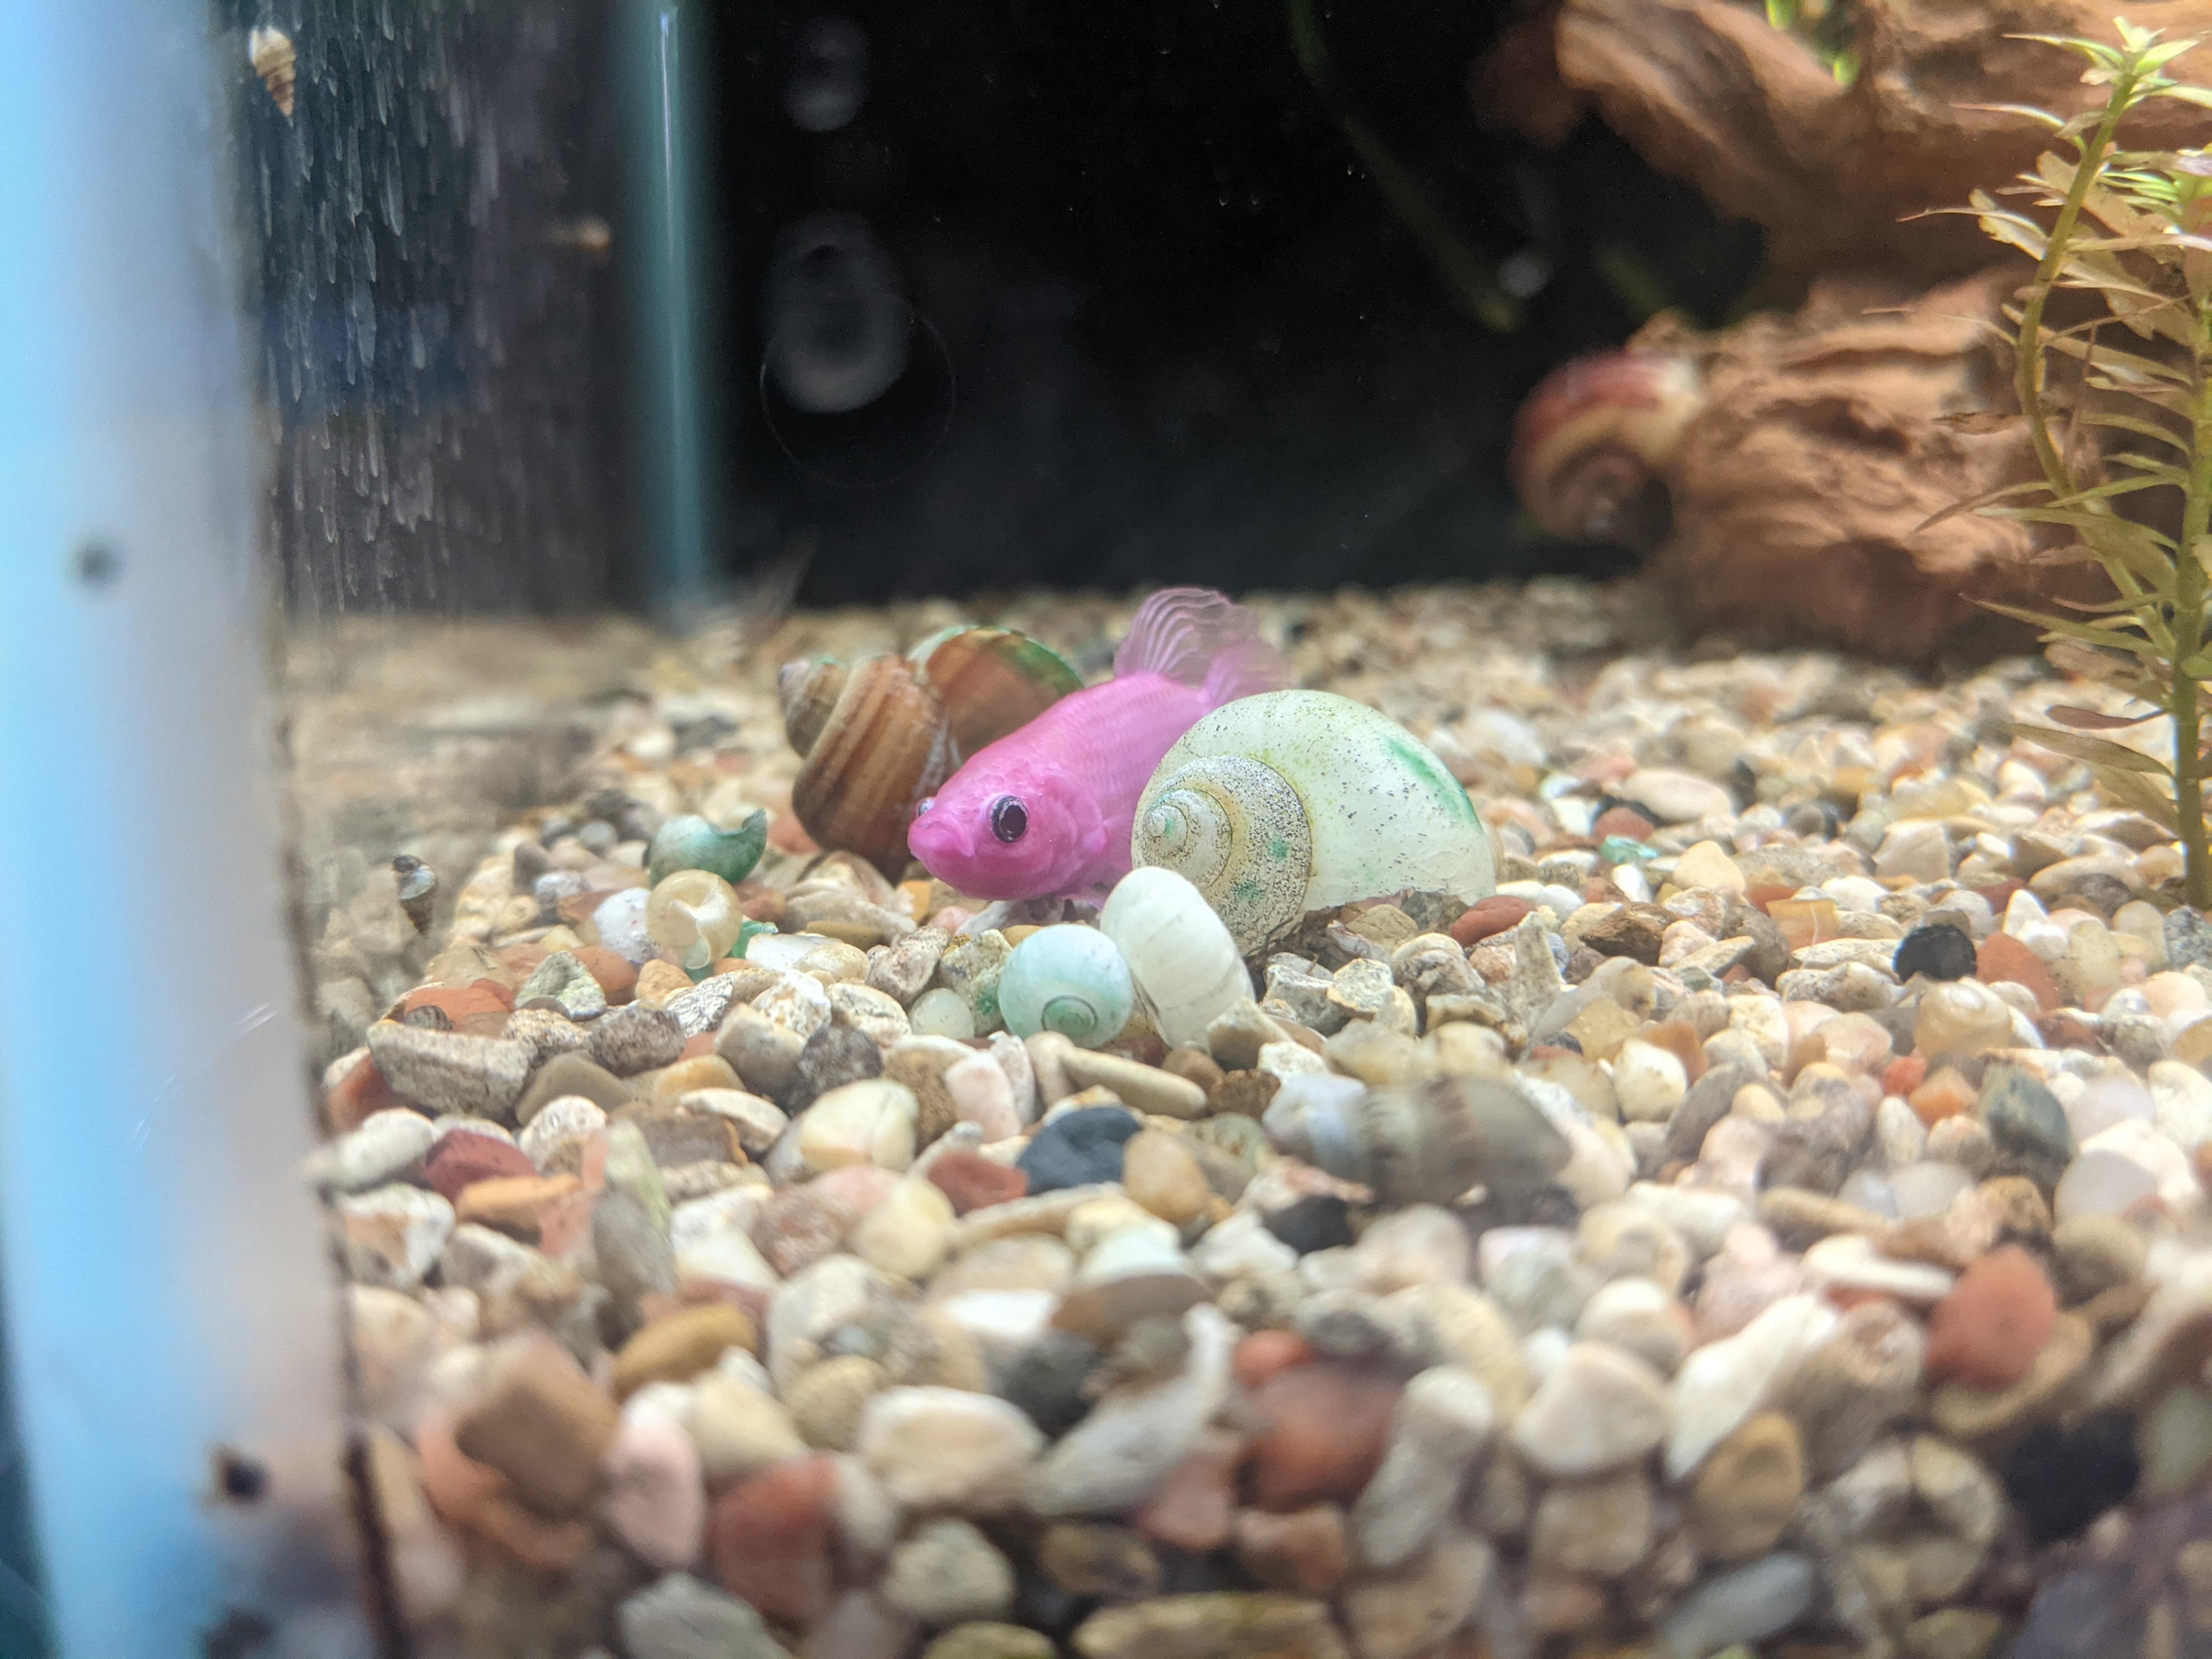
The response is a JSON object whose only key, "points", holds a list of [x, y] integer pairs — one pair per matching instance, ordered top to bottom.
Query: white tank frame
{"points": [[167, 1290]]}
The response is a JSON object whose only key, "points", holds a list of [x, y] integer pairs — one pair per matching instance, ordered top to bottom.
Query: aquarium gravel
{"points": [[1773, 1220]]}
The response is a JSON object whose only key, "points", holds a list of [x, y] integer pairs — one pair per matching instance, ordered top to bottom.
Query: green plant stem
{"points": [[2028, 359], [2189, 586]]}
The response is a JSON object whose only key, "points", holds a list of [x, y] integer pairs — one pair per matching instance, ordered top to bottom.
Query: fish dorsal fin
{"points": [[1181, 633]]}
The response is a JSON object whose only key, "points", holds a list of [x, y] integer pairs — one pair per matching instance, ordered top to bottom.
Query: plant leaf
{"points": [[2042, 118], [1976, 422], [2141, 428], [2064, 627], [2088, 719], [2082, 747], [2133, 789]]}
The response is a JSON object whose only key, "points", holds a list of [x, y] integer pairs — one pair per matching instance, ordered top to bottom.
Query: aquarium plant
{"points": [[2118, 408]]}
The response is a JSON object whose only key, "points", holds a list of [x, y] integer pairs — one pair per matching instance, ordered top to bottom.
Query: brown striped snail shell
{"points": [[882, 734], [1425, 1143]]}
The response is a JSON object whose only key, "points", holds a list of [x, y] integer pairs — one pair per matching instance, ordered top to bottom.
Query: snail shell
{"points": [[271, 52], [1594, 445], [993, 681], [881, 734], [1296, 801], [689, 841], [696, 914], [1186, 967], [1068, 979], [1424, 1143]]}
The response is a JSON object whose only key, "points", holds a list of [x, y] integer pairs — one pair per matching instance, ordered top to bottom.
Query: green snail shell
{"points": [[1295, 801], [688, 841], [1070, 979]]}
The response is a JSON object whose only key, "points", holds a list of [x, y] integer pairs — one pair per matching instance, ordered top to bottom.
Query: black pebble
{"points": [[1939, 949], [1077, 1148], [1322, 1221], [1046, 1380], [2061, 1481], [1042, 1605]]}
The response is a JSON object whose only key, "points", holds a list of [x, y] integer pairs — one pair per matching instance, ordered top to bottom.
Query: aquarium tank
{"points": [[1269, 830]]}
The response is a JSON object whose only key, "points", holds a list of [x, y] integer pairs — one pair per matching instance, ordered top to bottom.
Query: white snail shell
{"points": [[1296, 801], [696, 912], [1186, 967], [1068, 979]]}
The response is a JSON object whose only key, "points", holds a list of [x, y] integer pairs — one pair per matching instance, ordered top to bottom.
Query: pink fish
{"points": [[1045, 812]]}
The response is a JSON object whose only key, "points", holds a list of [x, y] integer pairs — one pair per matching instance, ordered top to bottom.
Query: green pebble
{"points": [[1620, 850], [747, 932]]}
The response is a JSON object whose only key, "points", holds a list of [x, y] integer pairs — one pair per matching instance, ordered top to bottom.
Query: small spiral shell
{"points": [[1237, 830], [696, 913], [1070, 979]]}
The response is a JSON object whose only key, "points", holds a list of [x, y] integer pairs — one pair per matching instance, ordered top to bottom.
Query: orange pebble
{"points": [[1623, 821], [786, 834], [1804, 922], [2001, 958], [616, 976], [1679, 1038], [1904, 1074], [359, 1092], [1946, 1094], [1988, 1331], [1263, 1353]]}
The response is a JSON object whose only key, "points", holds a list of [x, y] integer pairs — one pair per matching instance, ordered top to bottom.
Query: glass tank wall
{"points": [[964, 832]]}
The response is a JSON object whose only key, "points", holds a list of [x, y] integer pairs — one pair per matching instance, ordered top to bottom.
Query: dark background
{"points": [[1164, 323], [1188, 339]]}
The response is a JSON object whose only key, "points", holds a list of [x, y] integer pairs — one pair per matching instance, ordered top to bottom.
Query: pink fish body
{"points": [[1045, 812]]}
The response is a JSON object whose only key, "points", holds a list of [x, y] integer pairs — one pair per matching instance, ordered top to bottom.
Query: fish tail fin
{"points": [[1200, 638]]}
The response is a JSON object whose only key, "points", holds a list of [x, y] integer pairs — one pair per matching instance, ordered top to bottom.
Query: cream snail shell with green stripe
{"points": [[1294, 801]]}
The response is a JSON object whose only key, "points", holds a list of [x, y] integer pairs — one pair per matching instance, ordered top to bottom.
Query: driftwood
{"points": [[1712, 93], [1805, 456], [1792, 473]]}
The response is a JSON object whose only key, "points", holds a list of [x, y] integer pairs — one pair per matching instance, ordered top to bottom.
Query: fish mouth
{"points": [[936, 841]]}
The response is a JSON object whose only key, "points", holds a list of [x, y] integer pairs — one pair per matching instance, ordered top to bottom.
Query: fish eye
{"points": [[924, 805], [1010, 819]]}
